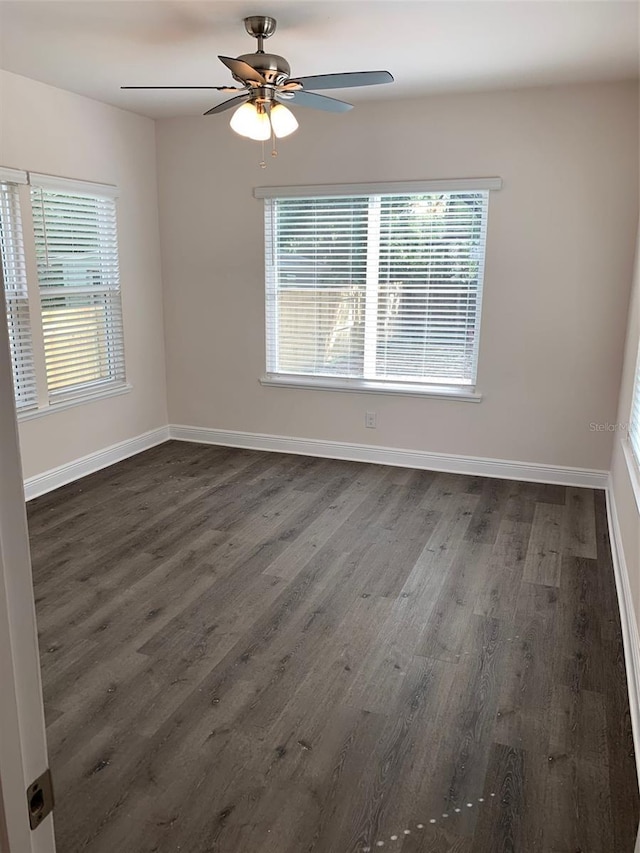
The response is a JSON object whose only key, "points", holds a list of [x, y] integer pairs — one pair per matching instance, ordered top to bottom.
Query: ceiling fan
{"points": [[267, 85]]}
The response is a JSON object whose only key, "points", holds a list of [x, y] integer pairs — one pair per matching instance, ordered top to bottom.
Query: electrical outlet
{"points": [[370, 420]]}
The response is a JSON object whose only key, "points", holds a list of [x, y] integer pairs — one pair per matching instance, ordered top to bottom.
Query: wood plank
{"points": [[490, 510], [579, 528], [543, 560], [499, 594], [446, 627], [400, 636], [584, 656], [526, 693], [579, 725], [578, 788], [500, 828]]}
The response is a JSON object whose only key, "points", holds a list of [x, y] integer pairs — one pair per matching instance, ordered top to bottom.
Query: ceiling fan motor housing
{"points": [[275, 69]]}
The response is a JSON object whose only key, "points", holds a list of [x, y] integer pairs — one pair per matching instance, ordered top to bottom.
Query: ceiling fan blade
{"points": [[242, 70], [347, 80], [214, 88], [316, 102], [227, 105]]}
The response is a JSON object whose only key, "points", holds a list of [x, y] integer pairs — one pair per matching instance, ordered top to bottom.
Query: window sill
{"points": [[367, 386], [72, 402], [633, 468]]}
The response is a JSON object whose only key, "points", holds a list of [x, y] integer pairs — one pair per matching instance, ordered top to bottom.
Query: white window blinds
{"points": [[77, 259], [376, 286], [16, 296], [634, 426]]}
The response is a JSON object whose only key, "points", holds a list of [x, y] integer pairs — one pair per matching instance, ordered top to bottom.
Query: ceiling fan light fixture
{"points": [[283, 121], [251, 122]]}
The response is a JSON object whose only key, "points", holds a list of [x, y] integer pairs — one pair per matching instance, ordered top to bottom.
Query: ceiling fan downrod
{"points": [[260, 27]]}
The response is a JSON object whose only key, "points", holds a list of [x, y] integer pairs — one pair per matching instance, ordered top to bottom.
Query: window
{"points": [[77, 257], [382, 288], [16, 296], [71, 318], [634, 426]]}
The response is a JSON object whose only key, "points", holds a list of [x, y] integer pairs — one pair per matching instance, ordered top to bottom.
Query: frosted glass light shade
{"points": [[248, 121], [283, 121]]}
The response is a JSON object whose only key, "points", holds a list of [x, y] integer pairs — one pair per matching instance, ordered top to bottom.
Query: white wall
{"points": [[52, 131], [560, 254], [559, 264]]}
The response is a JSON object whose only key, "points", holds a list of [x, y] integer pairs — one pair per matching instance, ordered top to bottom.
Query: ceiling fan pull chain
{"points": [[274, 150], [263, 164]]}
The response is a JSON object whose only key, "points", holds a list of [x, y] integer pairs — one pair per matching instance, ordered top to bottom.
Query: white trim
{"points": [[13, 176], [52, 183], [318, 190], [371, 386], [30, 414], [419, 459], [472, 465], [634, 472], [56, 477], [630, 637], [23, 742]]}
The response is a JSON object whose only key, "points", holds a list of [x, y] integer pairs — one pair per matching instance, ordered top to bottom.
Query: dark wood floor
{"points": [[246, 652]]}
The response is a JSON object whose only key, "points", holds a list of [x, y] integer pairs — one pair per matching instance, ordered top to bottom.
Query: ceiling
{"points": [[93, 47]]}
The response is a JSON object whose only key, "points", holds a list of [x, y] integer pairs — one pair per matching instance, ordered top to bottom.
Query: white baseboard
{"points": [[473, 465], [56, 477], [630, 636]]}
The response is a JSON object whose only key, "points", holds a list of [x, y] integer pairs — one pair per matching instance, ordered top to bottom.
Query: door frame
{"points": [[23, 745]]}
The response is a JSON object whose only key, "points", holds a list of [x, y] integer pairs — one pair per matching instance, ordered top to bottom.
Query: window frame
{"points": [[16, 293], [467, 392], [48, 400], [633, 435], [631, 442]]}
